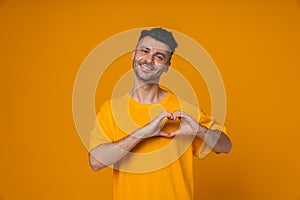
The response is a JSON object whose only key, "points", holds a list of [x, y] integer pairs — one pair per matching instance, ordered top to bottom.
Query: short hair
{"points": [[161, 35]]}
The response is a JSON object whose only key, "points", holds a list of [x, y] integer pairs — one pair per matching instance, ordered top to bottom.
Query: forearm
{"points": [[215, 139], [110, 153]]}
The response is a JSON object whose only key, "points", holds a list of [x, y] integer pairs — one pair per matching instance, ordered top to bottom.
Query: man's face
{"points": [[150, 59]]}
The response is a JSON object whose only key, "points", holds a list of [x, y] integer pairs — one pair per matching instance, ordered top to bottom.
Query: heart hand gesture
{"points": [[188, 126]]}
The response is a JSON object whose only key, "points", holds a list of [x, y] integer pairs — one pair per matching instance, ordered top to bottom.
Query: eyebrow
{"points": [[157, 51]]}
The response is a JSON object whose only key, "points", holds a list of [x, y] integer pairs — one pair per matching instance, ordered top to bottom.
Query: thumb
{"points": [[174, 133], [164, 134]]}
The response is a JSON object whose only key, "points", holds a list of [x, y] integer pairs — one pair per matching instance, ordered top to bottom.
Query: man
{"points": [[149, 135]]}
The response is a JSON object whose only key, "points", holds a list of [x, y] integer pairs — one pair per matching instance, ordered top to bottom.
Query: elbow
{"points": [[226, 144], [224, 147], [228, 148], [95, 164], [95, 167]]}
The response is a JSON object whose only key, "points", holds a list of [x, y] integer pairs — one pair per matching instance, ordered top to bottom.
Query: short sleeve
{"points": [[103, 129], [201, 149]]}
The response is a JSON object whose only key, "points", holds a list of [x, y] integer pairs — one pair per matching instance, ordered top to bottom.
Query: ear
{"points": [[133, 54], [167, 68]]}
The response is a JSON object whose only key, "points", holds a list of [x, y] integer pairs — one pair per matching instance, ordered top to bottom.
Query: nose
{"points": [[149, 58]]}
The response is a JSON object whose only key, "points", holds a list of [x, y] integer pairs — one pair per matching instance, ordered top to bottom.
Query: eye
{"points": [[144, 51], [159, 57]]}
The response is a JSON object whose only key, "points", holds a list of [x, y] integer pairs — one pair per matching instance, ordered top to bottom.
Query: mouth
{"points": [[146, 68]]}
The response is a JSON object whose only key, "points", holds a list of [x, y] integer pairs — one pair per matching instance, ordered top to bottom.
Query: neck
{"points": [[147, 93]]}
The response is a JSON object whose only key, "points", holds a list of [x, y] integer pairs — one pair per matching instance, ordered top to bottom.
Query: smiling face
{"points": [[150, 59]]}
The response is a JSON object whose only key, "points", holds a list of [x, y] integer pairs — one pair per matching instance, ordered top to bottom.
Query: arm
{"points": [[215, 139], [110, 153]]}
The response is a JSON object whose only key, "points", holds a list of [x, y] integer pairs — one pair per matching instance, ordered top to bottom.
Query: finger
{"points": [[164, 114], [175, 114], [178, 114], [183, 115], [161, 116], [170, 117], [160, 120], [174, 133], [164, 134]]}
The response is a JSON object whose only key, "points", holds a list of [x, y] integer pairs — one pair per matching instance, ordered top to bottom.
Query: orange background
{"points": [[255, 44]]}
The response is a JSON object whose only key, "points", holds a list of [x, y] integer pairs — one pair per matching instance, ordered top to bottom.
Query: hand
{"points": [[188, 126], [154, 128]]}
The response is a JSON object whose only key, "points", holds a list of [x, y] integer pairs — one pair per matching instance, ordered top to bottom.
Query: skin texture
{"points": [[151, 59]]}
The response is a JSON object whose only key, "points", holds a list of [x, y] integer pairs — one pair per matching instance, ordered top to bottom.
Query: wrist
{"points": [[202, 131], [140, 133]]}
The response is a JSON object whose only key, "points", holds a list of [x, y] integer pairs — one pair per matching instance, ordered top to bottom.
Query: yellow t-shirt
{"points": [[158, 167]]}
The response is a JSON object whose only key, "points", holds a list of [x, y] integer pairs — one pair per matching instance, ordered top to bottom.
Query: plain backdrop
{"points": [[255, 44]]}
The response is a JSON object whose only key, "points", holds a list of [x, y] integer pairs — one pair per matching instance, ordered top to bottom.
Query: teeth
{"points": [[146, 66]]}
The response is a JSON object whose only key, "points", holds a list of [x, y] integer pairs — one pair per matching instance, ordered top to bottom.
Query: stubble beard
{"points": [[147, 78]]}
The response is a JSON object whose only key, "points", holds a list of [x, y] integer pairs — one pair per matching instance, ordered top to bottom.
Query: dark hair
{"points": [[161, 35]]}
